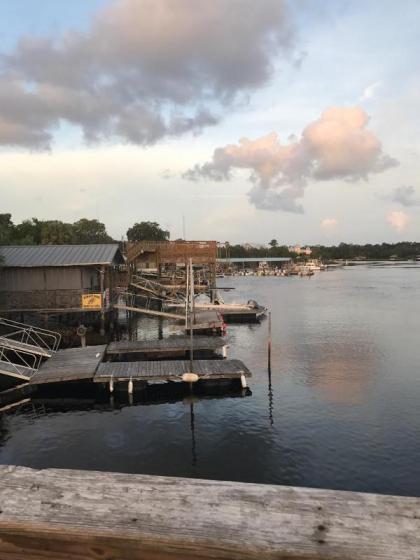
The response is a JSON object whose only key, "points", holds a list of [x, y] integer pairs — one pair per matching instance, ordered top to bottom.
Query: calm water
{"points": [[342, 410]]}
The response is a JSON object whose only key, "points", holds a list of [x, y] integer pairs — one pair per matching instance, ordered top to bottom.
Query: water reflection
{"points": [[337, 409]]}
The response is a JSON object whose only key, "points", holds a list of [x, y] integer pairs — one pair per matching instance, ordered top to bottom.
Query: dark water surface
{"points": [[342, 410]]}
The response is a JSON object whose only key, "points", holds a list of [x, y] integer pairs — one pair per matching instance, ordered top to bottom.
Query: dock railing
{"points": [[29, 335], [65, 514]]}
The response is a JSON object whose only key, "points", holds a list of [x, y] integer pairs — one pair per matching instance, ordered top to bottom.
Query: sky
{"points": [[247, 120]]}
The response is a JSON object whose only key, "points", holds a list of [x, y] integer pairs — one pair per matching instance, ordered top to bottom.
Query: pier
{"points": [[167, 347], [172, 370], [56, 514]]}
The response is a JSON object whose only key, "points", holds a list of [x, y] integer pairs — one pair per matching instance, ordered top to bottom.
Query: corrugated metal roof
{"points": [[31, 256]]}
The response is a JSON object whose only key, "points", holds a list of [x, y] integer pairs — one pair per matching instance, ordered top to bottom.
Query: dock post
{"points": [[102, 286], [269, 341], [224, 351]]}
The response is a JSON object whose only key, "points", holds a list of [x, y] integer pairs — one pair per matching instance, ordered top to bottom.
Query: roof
{"points": [[34, 256], [254, 259]]}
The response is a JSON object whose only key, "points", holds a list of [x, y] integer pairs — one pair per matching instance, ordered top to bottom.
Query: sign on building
{"points": [[91, 301]]}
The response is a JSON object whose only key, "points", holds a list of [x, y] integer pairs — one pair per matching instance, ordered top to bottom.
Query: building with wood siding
{"points": [[58, 278]]}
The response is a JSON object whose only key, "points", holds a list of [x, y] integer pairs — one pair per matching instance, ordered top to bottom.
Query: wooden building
{"points": [[156, 255], [58, 278]]}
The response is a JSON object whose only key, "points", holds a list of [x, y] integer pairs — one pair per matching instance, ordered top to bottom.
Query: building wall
{"points": [[60, 278], [46, 288]]}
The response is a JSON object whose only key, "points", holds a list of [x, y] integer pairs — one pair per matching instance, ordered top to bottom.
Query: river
{"points": [[341, 409]]}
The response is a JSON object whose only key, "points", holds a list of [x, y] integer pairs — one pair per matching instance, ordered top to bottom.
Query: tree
{"points": [[6, 229], [90, 231], [147, 231], [55, 232], [273, 243]]}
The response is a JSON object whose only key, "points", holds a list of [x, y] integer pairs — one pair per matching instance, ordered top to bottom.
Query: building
{"points": [[301, 251], [58, 278]]}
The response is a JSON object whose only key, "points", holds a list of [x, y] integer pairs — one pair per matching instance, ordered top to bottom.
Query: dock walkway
{"points": [[165, 346], [73, 364], [172, 370]]}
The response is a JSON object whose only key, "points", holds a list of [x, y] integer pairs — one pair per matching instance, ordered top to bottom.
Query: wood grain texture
{"points": [[169, 344], [72, 364], [170, 370], [75, 515]]}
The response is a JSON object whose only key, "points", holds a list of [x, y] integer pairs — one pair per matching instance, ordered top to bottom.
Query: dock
{"points": [[230, 312], [168, 347], [72, 364], [88, 364], [172, 370], [69, 514]]}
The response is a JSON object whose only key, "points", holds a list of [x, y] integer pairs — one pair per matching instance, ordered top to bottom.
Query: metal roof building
{"points": [[36, 256]]}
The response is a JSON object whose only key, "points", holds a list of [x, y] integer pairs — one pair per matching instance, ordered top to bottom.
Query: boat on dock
{"points": [[231, 312]]}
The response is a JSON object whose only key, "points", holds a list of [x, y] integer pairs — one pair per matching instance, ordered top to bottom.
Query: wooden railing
{"points": [[74, 515]]}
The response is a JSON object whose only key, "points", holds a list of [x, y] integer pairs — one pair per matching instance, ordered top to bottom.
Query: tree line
{"points": [[84, 231], [81, 232]]}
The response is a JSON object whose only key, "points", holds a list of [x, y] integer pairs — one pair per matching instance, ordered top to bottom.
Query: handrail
{"points": [[29, 334]]}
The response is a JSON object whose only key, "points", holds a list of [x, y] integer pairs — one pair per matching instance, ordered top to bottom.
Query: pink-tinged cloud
{"points": [[336, 146], [398, 220], [329, 224]]}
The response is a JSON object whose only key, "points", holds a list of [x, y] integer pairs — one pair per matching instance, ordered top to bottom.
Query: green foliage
{"points": [[6, 229], [90, 231], [147, 231], [52, 232], [273, 243]]}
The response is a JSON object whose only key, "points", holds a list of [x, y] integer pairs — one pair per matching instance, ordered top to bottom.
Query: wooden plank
{"points": [[151, 312], [170, 344], [19, 346], [71, 364], [170, 369], [15, 370], [72, 515]]}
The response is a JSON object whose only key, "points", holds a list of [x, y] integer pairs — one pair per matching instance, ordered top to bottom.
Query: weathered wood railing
{"points": [[75, 515]]}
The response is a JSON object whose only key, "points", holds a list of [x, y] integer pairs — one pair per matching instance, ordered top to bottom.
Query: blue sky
{"points": [[90, 153]]}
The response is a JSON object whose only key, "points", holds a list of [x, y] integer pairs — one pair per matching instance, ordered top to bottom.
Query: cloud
{"points": [[144, 70], [370, 91], [336, 146], [405, 195], [398, 220], [329, 224]]}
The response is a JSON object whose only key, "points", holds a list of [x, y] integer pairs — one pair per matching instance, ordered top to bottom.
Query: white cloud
{"points": [[145, 69], [370, 91], [336, 146], [398, 220]]}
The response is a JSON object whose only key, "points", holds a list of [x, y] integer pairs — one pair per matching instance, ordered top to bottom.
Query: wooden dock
{"points": [[171, 346], [73, 364], [172, 370], [58, 514]]}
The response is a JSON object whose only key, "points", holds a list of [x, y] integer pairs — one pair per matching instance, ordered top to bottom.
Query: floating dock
{"points": [[230, 312], [167, 347], [73, 364], [87, 364], [171, 370]]}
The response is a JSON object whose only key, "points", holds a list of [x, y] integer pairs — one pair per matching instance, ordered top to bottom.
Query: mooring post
{"points": [[269, 342]]}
